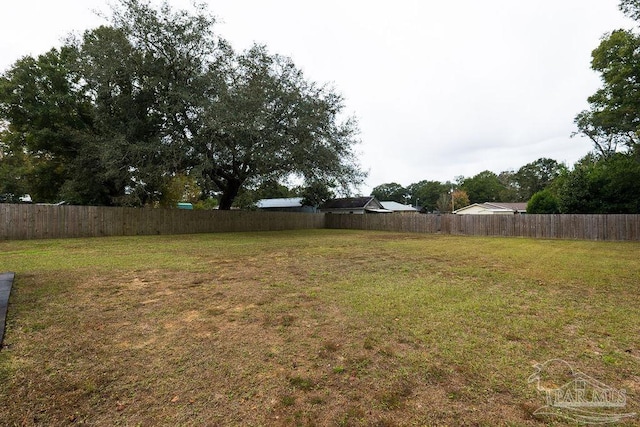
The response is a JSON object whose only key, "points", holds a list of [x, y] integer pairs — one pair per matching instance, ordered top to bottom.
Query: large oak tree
{"points": [[115, 115], [262, 120]]}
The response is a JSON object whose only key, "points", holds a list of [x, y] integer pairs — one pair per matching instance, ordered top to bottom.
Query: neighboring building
{"points": [[12, 198], [291, 204], [354, 205], [398, 207], [493, 209]]}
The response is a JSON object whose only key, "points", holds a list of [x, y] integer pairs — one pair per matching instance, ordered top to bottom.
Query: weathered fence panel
{"points": [[24, 221], [385, 222], [586, 227]]}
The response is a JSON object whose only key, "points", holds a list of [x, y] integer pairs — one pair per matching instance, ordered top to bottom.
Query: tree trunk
{"points": [[229, 194]]}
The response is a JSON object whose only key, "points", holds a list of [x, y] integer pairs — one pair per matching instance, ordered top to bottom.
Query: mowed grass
{"points": [[322, 327]]}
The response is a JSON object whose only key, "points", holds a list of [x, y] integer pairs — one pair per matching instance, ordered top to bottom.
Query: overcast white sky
{"points": [[440, 88]]}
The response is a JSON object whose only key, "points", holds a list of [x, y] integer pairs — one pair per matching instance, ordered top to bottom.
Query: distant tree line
{"points": [[595, 184], [487, 186]]}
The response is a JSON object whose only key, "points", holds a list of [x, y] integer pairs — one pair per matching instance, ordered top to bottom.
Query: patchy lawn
{"points": [[323, 327]]}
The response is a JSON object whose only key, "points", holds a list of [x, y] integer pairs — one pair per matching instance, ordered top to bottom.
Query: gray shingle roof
{"points": [[347, 203]]}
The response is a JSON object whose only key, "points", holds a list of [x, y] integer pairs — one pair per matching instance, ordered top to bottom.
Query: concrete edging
{"points": [[6, 281]]}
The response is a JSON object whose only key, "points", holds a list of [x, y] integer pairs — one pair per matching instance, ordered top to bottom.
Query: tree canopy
{"points": [[631, 8], [115, 116], [47, 118], [612, 122], [536, 176], [607, 181], [604, 186], [483, 187], [392, 191], [426, 193], [543, 202]]}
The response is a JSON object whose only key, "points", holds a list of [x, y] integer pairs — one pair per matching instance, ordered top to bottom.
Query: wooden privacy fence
{"points": [[24, 221], [587, 227]]}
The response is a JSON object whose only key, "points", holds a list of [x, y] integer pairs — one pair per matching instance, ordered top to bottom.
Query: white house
{"points": [[398, 207], [492, 209]]}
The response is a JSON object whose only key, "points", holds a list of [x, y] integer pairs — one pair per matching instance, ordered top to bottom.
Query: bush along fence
{"points": [[24, 221]]}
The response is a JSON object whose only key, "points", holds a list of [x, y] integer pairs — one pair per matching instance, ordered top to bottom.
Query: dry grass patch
{"points": [[309, 328]]}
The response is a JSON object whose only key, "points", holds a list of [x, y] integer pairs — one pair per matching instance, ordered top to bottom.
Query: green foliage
{"points": [[631, 8], [46, 115], [112, 117], [612, 120], [269, 122], [12, 170], [536, 176], [607, 182], [602, 185], [483, 187], [180, 188], [273, 190], [509, 191], [390, 192], [316, 193], [426, 193], [247, 198], [451, 201], [543, 202], [443, 203], [206, 204]]}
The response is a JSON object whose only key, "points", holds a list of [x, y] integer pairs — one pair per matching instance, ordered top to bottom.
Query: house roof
{"points": [[291, 202], [348, 203], [369, 203], [397, 207], [497, 207], [518, 207]]}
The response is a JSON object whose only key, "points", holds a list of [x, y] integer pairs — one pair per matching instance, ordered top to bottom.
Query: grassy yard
{"points": [[322, 327]]}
